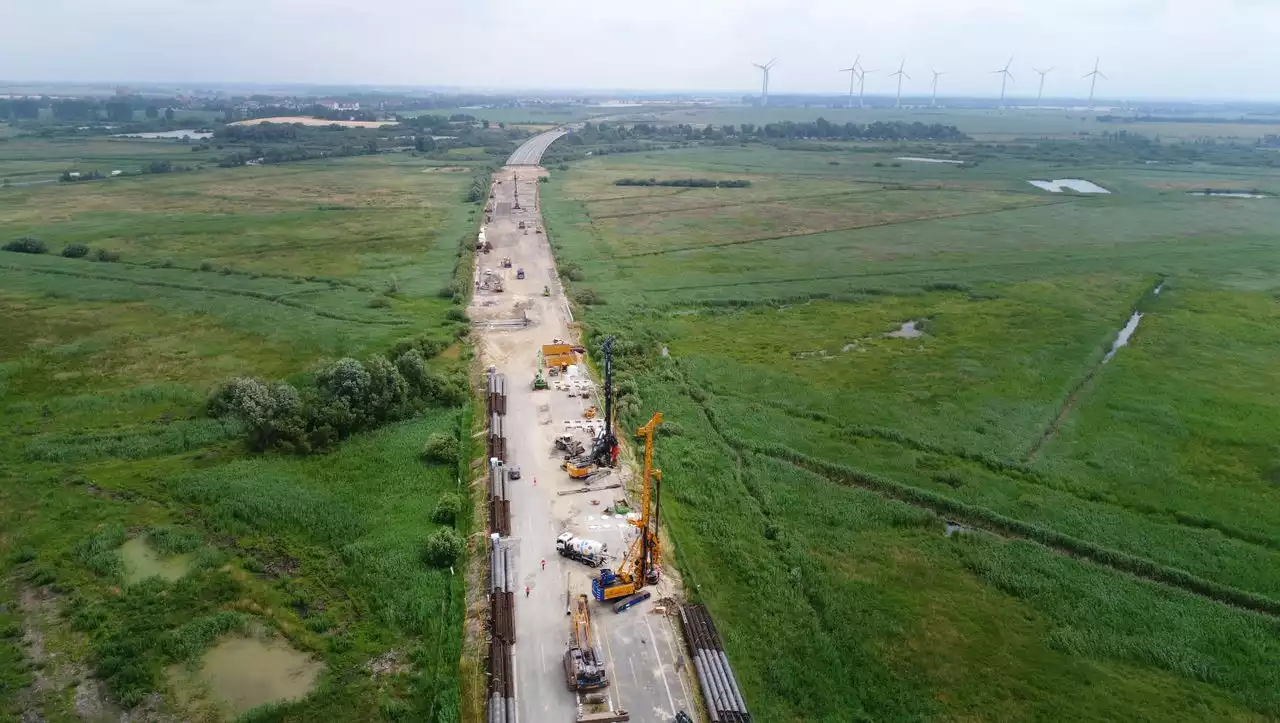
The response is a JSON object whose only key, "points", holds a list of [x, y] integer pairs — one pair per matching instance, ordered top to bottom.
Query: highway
{"points": [[530, 152]]}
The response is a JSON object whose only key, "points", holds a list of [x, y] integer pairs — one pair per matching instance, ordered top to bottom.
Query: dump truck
{"points": [[588, 552], [583, 663]]}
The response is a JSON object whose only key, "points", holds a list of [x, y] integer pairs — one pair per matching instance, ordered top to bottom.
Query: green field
{"points": [[105, 369], [815, 458]]}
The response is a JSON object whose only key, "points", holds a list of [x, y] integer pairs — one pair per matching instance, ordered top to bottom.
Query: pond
{"points": [[141, 561], [244, 673]]}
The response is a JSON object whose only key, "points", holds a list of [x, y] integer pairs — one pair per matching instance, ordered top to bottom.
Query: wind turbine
{"points": [[852, 70], [900, 75], [936, 75], [1005, 76], [1094, 83], [862, 85], [764, 90], [1040, 95]]}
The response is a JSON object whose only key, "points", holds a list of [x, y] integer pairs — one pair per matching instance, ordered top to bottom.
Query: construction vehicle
{"points": [[522, 224], [506, 262], [520, 273], [490, 281], [546, 291], [539, 381], [590, 412], [570, 446], [604, 451], [588, 552], [640, 566], [583, 663]]}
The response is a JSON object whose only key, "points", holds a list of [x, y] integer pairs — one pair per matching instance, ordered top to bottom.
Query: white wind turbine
{"points": [[852, 70], [1095, 74], [900, 75], [936, 75], [1005, 77], [764, 89], [1040, 94]]}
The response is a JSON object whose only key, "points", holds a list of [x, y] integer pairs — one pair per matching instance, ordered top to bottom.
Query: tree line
{"points": [[820, 129], [684, 182], [344, 397]]}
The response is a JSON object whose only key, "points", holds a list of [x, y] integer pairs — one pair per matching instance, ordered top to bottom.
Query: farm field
{"points": [[112, 469], [1115, 552]]}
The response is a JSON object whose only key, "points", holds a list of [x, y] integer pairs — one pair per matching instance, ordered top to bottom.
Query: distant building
{"points": [[338, 105]]}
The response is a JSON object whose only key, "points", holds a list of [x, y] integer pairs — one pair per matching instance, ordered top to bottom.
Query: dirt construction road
{"points": [[640, 647]]}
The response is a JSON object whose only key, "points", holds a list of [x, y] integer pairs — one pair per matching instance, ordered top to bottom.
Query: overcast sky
{"points": [[1150, 48]]}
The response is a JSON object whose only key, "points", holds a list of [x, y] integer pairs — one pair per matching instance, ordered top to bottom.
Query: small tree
{"points": [[75, 251], [441, 448], [447, 509], [443, 547]]}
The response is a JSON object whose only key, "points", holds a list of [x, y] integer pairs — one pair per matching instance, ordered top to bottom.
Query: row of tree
{"points": [[820, 129], [684, 182], [347, 396]]}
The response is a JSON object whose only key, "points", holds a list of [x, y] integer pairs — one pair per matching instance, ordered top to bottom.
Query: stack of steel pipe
{"points": [[497, 393], [497, 437], [499, 503], [502, 634], [715, 676]]}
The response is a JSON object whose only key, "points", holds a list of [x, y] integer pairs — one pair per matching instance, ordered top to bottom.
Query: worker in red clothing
{"points": [[544, 563], [526, 591]]}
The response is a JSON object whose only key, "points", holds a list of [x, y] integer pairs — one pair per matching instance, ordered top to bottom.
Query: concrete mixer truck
{"points": [[588, 552]]}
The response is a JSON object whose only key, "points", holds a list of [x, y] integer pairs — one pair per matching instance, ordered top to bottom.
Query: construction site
{"points": [[585, 613]]}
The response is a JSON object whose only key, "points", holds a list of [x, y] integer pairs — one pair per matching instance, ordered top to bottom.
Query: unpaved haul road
{"points": [[640, 647]]}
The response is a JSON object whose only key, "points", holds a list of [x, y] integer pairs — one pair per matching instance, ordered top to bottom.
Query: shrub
{"points": [[27, 245], [75, 251], [106, 256], [206, 266], [572, 271], [588, 297], [379, 302], [457, 315], [441, 448], [447, 509], [443, 547]]}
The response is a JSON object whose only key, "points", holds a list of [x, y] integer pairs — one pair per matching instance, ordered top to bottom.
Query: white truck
{"points": [[588, 552]]}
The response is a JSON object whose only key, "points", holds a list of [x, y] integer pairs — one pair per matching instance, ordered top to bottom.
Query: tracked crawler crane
{"points": [[641, 565]]}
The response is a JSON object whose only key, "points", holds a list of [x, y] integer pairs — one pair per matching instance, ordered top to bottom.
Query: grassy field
{"points": [[982, 125], [105, 368], [816, 457]]}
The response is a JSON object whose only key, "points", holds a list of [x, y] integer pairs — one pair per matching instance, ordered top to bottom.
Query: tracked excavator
{"points": [[641, 565]]}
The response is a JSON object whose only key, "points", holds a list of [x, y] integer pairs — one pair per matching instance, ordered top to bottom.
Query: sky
{"points": [[1175, 49]]}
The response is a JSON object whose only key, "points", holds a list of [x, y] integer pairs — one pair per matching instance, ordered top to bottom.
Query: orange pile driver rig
{"points": [[603, 455], [641, 565]]}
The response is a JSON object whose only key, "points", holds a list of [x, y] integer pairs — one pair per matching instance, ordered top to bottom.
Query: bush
{"points": [[27, 245], [75, 251], [106, 256], [206, 266], [572, 271], [588, 297], [379, 302], [457, 315], [441, 448], [447, 509], [443, 547]]}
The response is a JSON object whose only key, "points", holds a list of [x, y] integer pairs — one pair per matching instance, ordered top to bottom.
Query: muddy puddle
{"points": [[908, 331], [1122, 339], [141, 561], [244, 673]]}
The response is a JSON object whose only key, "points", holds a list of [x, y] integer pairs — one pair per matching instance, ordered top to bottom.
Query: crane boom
{"points": [[640, 565]]}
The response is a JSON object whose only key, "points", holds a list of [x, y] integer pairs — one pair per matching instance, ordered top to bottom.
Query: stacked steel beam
{"points": [[497, 393], [497, 437], [715, 677]]}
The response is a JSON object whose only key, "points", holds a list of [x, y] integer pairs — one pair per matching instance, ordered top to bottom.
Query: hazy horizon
{"points": [[1150, 49]]}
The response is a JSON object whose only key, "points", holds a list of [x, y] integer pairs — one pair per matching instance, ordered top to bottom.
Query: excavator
{"points": [[604, 451], [640, 566], [583, 664]]}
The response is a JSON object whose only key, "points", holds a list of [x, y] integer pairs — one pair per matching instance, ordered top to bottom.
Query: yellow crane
{"points": [[640, 566], [583, 664]]}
